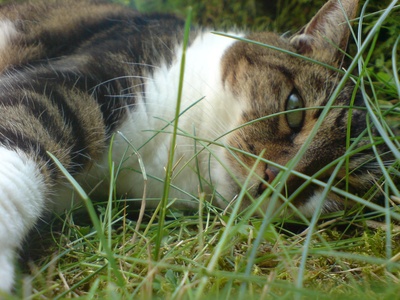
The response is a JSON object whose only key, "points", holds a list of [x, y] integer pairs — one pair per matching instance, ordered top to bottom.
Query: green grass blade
{"points": [[168, 172], [95, 220]]}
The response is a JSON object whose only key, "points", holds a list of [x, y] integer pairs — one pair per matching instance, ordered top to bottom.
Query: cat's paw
{"points": [[21, 204], [6, 271]]}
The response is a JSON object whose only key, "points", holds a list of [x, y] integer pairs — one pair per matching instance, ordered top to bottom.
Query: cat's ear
{"points": [[326, 36]]}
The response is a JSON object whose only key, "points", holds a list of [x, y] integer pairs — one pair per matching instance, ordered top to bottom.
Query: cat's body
{"points": [[70, 81]]}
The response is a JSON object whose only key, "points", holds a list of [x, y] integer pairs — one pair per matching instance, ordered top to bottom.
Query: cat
{"points": [[78, 74]]}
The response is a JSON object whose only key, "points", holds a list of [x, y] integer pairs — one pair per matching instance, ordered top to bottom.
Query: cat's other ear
{"points": [[326, 36]]}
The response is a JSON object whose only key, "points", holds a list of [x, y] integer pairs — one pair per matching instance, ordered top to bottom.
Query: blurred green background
{"points": [[280, 16]]}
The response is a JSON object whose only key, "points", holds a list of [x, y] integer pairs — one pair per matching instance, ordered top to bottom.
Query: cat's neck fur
{"points": [[207, 112]]}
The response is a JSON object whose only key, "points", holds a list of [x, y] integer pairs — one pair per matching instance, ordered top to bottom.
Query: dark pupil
{"points": [[295, 118]]}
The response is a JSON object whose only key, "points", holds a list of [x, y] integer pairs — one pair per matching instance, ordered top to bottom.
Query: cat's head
{"points": [[269, 83]]}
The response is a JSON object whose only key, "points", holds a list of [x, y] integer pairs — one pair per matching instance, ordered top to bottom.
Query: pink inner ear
{"points": [[327, 33], [303, 43]]}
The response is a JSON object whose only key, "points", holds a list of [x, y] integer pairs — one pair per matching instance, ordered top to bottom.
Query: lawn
{"points": [[110, 252]]}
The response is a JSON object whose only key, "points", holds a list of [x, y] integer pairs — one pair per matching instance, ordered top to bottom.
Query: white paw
{"points": [[21, 204], [6, 270]]}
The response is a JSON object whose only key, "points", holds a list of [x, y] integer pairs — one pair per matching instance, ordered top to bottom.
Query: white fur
{"points": [[7, 33], [215, 114], [22, 202], [312, 204]]}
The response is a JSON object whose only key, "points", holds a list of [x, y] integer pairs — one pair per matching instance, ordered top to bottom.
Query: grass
{"points": [[108, 254]]}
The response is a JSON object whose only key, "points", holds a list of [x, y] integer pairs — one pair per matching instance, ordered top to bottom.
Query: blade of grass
{"points": [[362, 48], [355, 62], [394, 66], [168, 172], [144, 174], [95, 220], [228, 231]]}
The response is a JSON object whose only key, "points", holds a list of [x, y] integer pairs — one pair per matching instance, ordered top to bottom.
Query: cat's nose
{"points": [[270, 174]]}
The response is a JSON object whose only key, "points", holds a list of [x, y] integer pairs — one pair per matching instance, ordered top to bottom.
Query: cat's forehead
{"points": [[270, 38], [267, 44], [268, 51], [252, 66]]}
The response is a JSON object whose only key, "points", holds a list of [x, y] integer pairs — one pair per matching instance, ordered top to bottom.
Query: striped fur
{"points": [[76, 72]]}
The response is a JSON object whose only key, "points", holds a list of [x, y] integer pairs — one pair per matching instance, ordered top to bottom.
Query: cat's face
{"points": [[269, 83]]}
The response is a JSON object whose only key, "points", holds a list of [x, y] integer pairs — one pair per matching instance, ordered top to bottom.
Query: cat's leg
{"points": [[22, 202]]}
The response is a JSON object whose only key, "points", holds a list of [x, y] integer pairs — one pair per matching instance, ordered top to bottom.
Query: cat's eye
{"points": [[294, 118]]}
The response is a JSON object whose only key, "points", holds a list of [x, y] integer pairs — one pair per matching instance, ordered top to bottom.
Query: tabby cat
{"points": [[78, 74]]}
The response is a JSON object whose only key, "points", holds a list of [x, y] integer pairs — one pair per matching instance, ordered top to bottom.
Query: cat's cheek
{"points": [[225, 177], [227, 189]]}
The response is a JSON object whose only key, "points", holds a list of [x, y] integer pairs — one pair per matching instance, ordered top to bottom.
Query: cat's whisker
{"points": [[131, 63], [104, 83]]}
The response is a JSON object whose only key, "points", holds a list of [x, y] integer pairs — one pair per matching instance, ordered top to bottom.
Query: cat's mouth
{"points": [[292, 185], [298, 194]]}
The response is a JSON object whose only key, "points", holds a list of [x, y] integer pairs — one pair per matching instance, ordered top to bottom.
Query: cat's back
{"points": [[42, 29]]}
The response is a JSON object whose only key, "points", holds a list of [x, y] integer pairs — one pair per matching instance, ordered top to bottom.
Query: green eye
{"points": [[295, 118]]}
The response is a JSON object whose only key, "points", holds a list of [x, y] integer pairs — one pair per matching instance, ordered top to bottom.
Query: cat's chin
{"points": [[331, 203], [300, 208]]}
